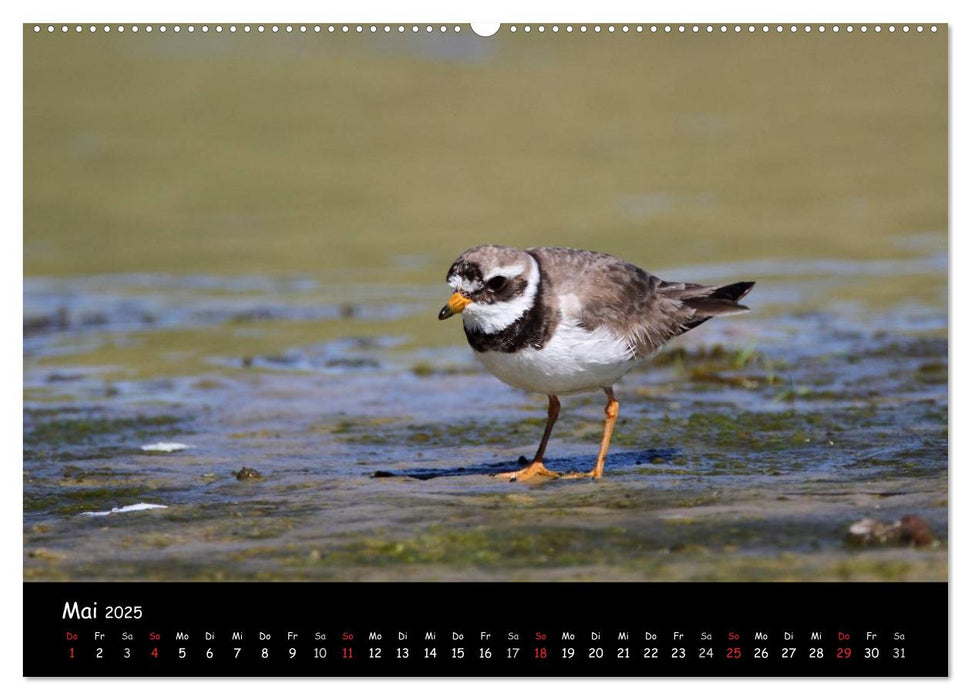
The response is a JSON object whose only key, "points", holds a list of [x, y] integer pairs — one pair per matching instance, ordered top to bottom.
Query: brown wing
{"points": [[633, 303]]}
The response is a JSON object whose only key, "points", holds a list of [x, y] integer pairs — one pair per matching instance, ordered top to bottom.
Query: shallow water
{"points": [[744, 451]]}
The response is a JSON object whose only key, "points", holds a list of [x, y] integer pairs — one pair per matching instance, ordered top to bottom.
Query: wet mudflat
{"points": [[743, 452]]}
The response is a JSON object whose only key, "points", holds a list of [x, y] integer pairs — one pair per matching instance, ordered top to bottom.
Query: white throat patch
{"points": [[492, 318]]}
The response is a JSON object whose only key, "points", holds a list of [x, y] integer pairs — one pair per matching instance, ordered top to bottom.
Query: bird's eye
{"points": [[496, 283]]}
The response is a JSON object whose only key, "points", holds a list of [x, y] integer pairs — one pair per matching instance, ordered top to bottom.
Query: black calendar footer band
{"points": [[485, 629]]}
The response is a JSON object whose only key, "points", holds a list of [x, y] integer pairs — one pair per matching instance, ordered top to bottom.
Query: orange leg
{"points": [[612, 409], [536, 468]]}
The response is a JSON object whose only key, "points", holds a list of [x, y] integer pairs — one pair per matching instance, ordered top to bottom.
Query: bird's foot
{"points": [[528, 472]]}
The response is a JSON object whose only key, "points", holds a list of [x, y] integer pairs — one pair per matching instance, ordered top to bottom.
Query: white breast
{"points": [[574, 360]]}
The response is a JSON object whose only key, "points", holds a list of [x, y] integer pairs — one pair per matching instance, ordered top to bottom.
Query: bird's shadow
{"points": [[561, 464]]}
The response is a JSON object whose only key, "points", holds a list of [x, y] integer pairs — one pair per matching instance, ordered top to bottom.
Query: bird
{"points": [[561, 321]]}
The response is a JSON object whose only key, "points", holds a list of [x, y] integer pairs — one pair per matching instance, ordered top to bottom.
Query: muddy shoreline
{"points": [[744, 452]]}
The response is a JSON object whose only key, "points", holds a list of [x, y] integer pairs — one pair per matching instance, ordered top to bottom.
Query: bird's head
{"points": [[492, 286]]}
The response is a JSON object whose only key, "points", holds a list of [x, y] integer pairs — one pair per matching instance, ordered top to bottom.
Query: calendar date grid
{"points": [[552, 645]]}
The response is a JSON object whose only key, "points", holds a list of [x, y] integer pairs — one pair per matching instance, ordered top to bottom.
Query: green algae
{"points": [[74, 431], [73, 501]]}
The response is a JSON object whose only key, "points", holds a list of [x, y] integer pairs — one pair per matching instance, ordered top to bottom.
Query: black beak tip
{"points": [[444, 313]]}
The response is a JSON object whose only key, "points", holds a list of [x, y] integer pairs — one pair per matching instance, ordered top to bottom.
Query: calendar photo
{"points": [[525, 305]]}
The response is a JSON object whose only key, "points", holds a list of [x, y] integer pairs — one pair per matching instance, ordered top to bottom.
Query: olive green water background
{"points": [[238, 242]]}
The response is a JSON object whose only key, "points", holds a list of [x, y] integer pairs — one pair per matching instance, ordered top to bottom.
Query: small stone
{"points": [[247, 474], [910, 530], [866, 531], [916, 531]]}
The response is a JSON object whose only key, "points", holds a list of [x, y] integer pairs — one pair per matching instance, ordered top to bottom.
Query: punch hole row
{"points": [[251, 28], [716, 28], [442, 29]]}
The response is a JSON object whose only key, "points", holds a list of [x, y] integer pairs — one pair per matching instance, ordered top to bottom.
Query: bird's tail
{"points": [[720, 301], [708, 302]]}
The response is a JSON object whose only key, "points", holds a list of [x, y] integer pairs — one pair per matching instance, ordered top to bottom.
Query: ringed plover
{"points": [[561, 321]]}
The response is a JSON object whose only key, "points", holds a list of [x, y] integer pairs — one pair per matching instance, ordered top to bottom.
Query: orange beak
{"points": [[456, 304]]}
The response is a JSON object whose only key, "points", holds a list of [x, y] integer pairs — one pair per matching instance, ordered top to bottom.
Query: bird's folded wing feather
{"points": [[629, 302]]}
